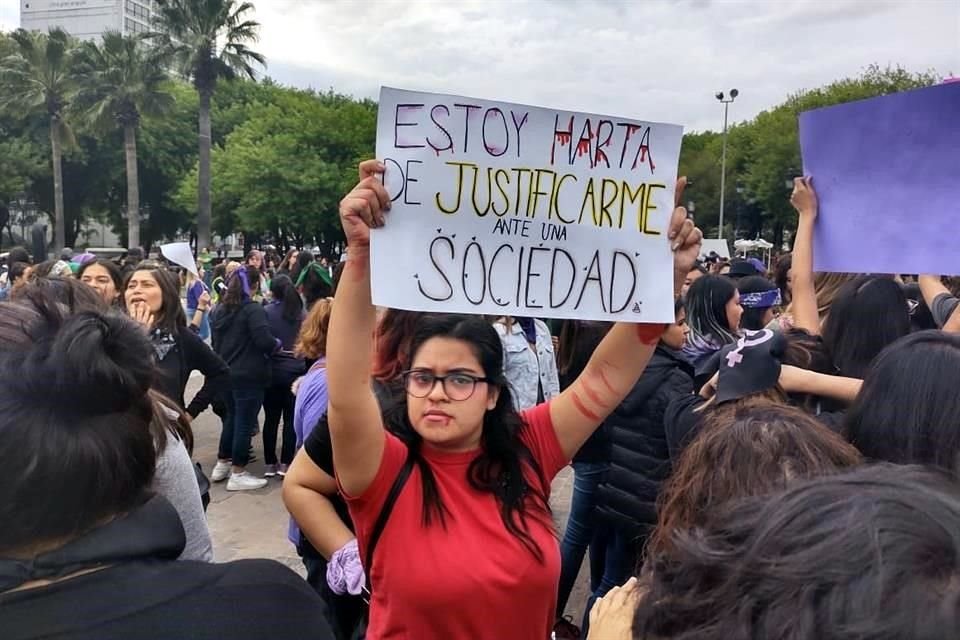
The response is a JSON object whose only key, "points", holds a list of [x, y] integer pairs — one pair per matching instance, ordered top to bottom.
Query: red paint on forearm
{"points": [[358, 266], [649, 334], [606, 383], [591, 393], [582, 408]]}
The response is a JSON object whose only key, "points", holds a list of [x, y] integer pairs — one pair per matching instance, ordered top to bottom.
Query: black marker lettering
{"points": [[433, 118], [397, 124], [433, 260]]}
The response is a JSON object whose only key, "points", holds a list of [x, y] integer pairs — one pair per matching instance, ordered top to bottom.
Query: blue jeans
{"points": [[204, 323], [246, 400], [580, 531], [618, 564]]}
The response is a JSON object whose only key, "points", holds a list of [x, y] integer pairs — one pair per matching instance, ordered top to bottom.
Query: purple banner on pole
{"points": [[887, 174]]}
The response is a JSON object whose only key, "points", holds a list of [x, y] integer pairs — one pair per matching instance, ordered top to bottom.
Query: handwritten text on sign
{"points": [[504, 209]]}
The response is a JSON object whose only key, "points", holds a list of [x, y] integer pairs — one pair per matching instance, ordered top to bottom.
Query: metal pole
{"points": [[723, 168]]}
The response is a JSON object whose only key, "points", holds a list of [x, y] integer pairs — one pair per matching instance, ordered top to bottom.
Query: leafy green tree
{"points": [[207, 40], [38, 77], [120, 83], [281, 173]]}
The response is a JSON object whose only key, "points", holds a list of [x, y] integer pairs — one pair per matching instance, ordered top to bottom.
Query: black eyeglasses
{"points": [[458, 386]]}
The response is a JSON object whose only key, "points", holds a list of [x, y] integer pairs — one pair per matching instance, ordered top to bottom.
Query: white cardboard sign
{"points": [[506, 209]]}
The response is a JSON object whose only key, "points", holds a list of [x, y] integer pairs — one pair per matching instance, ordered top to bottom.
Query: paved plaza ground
{"points": [[253, 524]]}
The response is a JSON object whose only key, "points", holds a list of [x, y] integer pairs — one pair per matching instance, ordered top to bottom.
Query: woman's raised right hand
{"points": [[363, 208]]}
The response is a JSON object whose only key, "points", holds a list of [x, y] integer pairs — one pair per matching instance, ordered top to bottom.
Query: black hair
{"points": [[18, 254], [304, 258], [110, 267], [16, 272], [337, 274], [781, 276], [313, 286], [282, 289], [680, 304], [706, 304], [869, 313], [172, 316], [921, 317], [752, 318], [578, 340], [908, 410], [89, 455], [504, 458], [870, 553]]}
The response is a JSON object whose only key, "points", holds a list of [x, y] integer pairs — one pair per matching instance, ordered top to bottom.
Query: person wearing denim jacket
{"points": [[529, 360]]}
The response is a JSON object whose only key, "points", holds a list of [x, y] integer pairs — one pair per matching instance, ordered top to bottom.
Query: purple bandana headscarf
{"points": [[760, 299]]}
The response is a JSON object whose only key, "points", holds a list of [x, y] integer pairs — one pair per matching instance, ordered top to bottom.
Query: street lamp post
{"points": [[723, 159]]}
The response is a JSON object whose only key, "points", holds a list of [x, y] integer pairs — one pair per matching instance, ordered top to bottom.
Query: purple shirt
{"points": [[194, 292], [310, 407]]}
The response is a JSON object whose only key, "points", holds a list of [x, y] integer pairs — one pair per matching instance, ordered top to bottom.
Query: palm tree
{"points": [[207, 41], [39, 77], [121, 81]]}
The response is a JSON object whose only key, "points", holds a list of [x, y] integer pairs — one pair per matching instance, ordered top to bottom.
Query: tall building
{"points": [[87, 19]]}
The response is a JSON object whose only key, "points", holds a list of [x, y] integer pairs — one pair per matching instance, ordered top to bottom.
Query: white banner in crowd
{"points": [[505, 209], [179, 253]]}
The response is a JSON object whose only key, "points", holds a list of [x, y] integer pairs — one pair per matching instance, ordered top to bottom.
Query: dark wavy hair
{"points": [[110, 267], [781, 276], [282, 289], [869, 313], [171, 316], [578, 340], [908, 410], [754, 451], [503, 464], [871, 553]]}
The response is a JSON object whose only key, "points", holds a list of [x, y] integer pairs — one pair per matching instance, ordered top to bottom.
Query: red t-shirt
{"points": [[473, 579]]}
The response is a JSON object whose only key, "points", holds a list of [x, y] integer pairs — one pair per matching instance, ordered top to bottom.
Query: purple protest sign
{"points": [[887, 174]]}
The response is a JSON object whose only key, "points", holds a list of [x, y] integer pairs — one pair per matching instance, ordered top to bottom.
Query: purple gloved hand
{"points": [[344, 571]]}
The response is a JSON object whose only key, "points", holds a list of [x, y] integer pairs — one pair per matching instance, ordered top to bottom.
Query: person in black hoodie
{"points": [[241, 336], [639, 458]]}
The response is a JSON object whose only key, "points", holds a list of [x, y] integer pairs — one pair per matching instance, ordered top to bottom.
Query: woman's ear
{"points": [[493, 396]]}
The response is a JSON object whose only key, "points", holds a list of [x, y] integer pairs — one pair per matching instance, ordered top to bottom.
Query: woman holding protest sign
{"points": [[466, 479]]}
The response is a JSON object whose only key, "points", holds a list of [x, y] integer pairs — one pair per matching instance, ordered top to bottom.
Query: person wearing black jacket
{"points": [[152, 298], [241, 336], [578, 340], [639, 458]]}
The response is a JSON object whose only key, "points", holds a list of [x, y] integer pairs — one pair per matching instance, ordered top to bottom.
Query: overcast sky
{"points": [[660, 60]]}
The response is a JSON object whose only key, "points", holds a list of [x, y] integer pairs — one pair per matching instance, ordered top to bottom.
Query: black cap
{"points": [[742, 269], [751, 365]]}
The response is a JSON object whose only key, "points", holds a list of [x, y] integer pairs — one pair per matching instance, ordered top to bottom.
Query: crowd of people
{"points": [[778, 462]]}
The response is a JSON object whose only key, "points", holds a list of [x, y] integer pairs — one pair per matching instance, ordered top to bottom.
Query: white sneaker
{"points": [[221, 471], [245, 482]]}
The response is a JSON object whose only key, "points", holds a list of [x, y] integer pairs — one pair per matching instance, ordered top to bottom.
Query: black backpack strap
{"points": [[382, 519]]}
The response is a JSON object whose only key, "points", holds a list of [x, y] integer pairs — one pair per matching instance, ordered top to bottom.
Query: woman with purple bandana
{"points": [[759, 298]]}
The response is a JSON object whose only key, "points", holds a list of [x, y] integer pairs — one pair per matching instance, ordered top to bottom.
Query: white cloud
{"points": [[651, 59]]}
